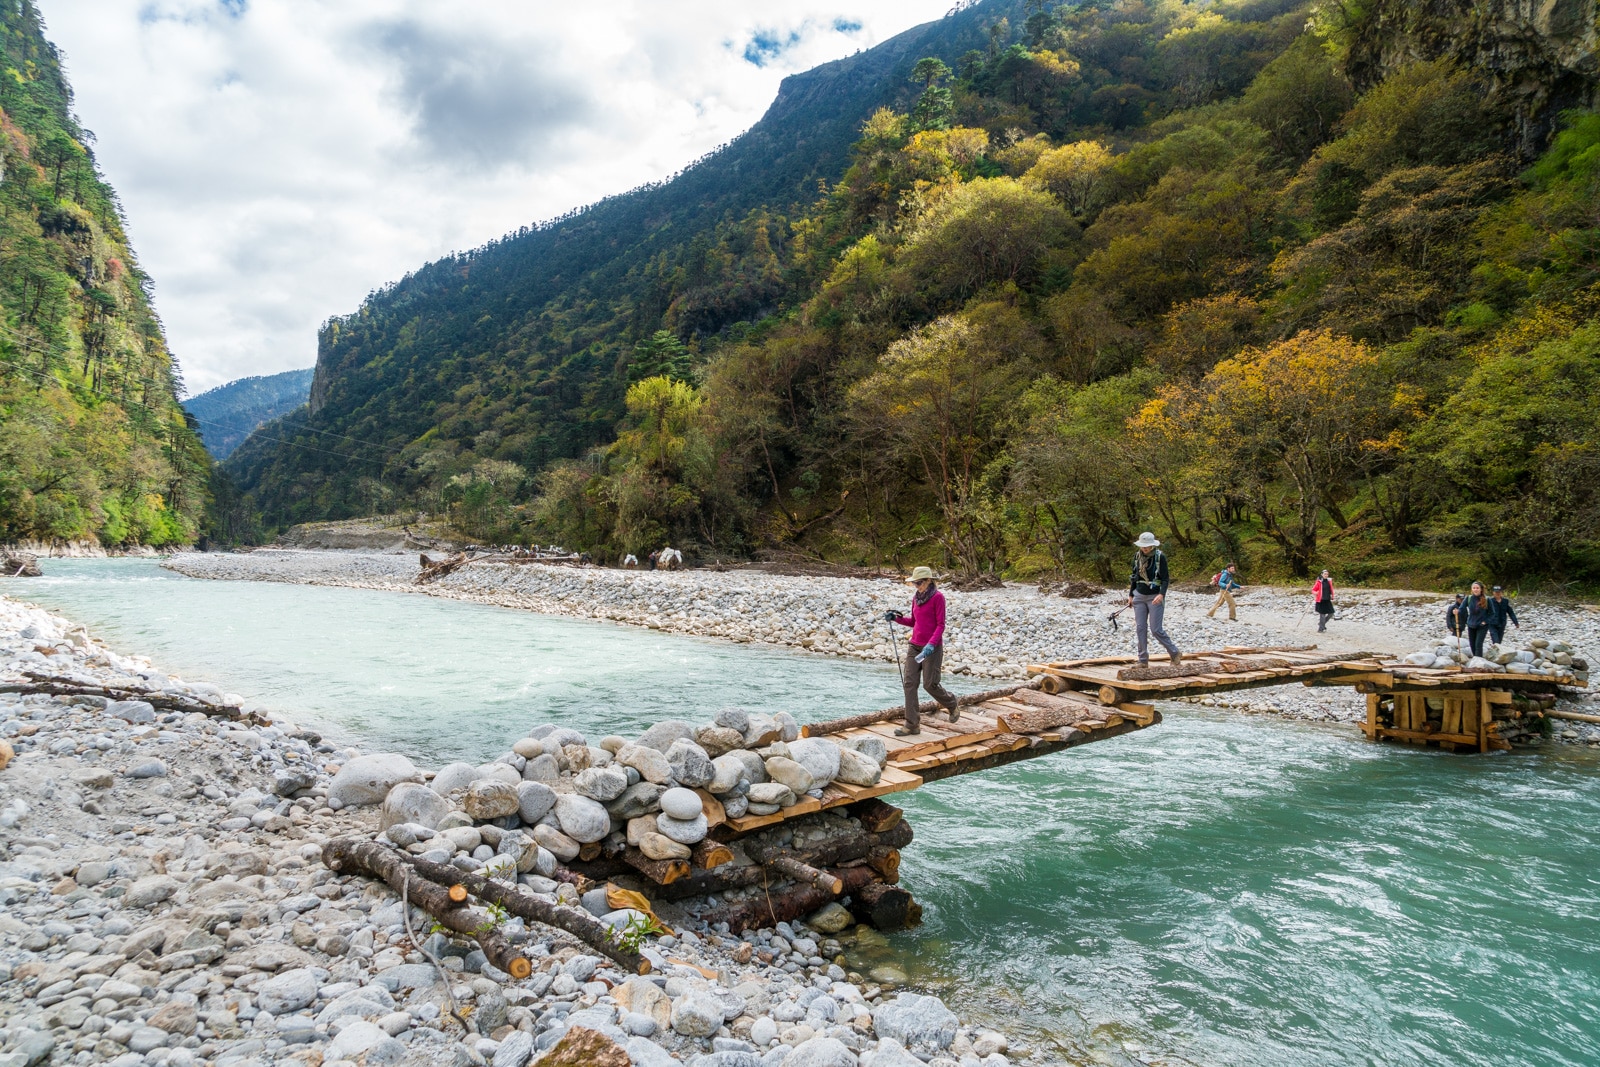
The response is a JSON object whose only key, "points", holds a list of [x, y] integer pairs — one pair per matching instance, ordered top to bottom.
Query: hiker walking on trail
{"points": [[1226, 581], [1147, 595], [1322, 600], [1502, 611], [1479, 614], [1455, 616], [924, 652]]}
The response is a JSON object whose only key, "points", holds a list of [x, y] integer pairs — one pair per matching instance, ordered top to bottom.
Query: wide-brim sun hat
{"points": [[1147, 540], [920, 574]]}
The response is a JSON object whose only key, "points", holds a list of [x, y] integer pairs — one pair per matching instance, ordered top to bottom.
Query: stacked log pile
{"points": [[1516, 716]]}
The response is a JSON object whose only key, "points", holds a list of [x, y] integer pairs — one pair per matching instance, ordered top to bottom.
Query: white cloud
{"points": [[278, 159]]}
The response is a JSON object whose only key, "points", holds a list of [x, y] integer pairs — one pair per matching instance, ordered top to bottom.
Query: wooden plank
{"points": [[1485, 717], [1419, 735]]}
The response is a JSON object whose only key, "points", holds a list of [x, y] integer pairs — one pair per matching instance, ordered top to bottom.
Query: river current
{"points": [[1218, 890]]}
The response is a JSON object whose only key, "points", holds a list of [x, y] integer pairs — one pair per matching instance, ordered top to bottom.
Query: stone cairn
{"points": [[1555, 660], [562, 832]]}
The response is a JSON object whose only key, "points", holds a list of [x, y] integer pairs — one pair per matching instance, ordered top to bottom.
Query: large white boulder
{"points": [[368, 779]]}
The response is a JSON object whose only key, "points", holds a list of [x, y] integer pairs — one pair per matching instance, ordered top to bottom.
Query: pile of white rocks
{"points": [[1556, 660], [538, 805], [163, 903]]}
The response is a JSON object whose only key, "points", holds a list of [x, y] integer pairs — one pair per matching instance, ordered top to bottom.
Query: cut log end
{"points": [[1049, 683], [1111, 695], [708, 855], [458, 893], [520, 968]]}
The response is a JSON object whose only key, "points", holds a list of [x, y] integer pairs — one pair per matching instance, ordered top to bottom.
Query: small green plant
{"points": [[497, 916], [630, 936]]}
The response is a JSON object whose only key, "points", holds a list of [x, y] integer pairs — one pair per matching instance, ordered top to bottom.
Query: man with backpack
{"points": [[1226, 580], [1147, 595], [1501, 612]]}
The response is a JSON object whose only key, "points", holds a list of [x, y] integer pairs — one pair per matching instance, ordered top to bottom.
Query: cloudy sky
{"points": [[279, 159]]}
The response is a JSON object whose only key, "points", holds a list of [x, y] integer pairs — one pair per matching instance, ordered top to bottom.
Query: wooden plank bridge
{"points": [[1081, 701]]}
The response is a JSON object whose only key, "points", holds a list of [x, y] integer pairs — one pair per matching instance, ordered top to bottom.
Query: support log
{"points": [[1111, 695], [928, 707], [1575, 716], [876, 815], [832, 852], [348, 855], [709, 855], [886, 861], [661, 872], [804, 872], [518, 901], [782, 904], [885, 907]]}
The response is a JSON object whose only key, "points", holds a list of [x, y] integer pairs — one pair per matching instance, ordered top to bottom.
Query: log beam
{"points": [[793, 901]]}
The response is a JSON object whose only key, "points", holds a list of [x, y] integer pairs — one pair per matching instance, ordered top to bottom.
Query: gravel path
{"points": [[990, 634]]}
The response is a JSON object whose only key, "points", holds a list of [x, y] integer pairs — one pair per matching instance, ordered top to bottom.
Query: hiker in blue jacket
{"points": [[1226, 581], [1501, 611]]}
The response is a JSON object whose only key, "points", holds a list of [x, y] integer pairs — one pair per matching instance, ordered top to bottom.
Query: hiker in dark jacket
{"points": [[1147, 595], [1322, 599], [1501, 609], [1479, 614], [1455, 616]]}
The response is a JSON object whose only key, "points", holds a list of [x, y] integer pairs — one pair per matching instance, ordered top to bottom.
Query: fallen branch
{"points": [[54, 685], [928, 707], [345, 855]]}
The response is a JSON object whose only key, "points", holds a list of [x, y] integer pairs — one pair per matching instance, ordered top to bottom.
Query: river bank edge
{"points": [[991, 634], [189, 919]]}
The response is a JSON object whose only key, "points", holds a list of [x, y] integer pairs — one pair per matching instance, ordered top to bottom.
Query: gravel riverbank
{"points": [[990, 634], [163, 902]]}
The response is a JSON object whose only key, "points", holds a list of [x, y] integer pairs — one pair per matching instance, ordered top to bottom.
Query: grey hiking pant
{"points": [[1147, 616], [927, 673]]}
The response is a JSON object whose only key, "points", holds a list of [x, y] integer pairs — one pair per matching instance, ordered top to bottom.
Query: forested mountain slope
{"points": [[1287, 283], [520, 340], [227, 414], [93, 443]]}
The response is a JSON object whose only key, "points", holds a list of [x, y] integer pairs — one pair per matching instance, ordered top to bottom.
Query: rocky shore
{"points": [[993, 633], [163, 901]]}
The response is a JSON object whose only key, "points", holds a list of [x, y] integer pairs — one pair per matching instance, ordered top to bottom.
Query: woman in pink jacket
{"points": [[1322, 600], [924, 652]]}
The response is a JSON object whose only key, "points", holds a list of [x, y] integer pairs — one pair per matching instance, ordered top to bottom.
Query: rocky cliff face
{"points": [[1541, 54]]}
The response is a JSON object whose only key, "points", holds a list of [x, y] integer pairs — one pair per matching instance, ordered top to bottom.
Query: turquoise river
{"points": [[1218, 890]]}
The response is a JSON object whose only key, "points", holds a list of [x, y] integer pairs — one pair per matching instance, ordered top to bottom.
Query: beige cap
{"points": [[919, 574]]}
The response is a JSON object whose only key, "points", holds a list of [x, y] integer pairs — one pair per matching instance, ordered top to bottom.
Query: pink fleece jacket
{"points": [[926, 621]]}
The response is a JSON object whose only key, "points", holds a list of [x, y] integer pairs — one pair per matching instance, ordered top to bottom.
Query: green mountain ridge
{"points": [[1274, 279], [232, 411], [93, 444]]}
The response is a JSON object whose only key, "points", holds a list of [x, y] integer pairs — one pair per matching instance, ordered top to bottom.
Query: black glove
{"points": [[891, 616]]}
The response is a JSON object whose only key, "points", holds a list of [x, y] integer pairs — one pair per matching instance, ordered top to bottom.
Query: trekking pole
{"points": [[899, 664]]}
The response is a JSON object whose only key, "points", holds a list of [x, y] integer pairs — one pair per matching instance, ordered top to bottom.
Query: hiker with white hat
{"points": [[1147, 595], [924, 652]]}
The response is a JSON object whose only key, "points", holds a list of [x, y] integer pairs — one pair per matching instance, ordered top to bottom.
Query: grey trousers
{"points": [[1147, 616], [927, 674]]}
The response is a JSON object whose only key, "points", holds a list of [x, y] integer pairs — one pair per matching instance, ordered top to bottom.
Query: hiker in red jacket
{"points": [[1322, 599], [924, 652]]}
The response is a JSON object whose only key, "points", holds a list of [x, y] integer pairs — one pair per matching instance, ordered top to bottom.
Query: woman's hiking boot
{"points": [[955, 713], [901, 731]]}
